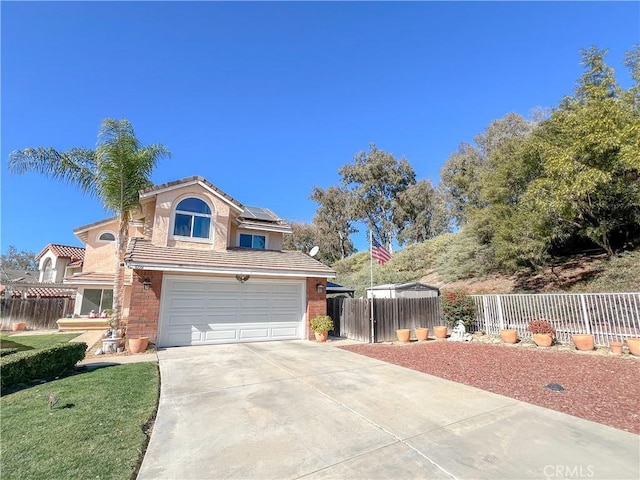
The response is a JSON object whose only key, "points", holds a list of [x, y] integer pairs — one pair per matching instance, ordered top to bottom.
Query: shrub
{"points": [[458, 306], [321, 323], [541, 326], [7, 351], [33, 364]]}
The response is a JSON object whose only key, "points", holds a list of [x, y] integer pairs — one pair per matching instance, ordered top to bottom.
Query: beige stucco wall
{"points": [[162, 234], [274, 239], [100, 256]]}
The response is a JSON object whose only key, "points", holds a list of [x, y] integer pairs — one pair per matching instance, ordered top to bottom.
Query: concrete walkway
{"points": [[297, 409]]}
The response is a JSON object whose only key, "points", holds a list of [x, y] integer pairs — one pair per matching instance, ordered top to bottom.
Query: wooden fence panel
{"points": [[37, 312], [352, 316]]}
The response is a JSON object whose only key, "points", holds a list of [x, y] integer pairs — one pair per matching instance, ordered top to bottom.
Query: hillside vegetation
{"points": [[439, 262]]}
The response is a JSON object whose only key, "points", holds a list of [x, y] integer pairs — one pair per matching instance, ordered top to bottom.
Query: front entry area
{"points": [[199, 310]]}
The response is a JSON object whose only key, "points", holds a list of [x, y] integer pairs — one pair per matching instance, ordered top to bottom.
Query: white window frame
{"points": [[174, 211], [102, 240], [266, 240]]}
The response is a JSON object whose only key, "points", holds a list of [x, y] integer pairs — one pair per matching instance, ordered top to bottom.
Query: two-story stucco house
{"points": [[202, 268]]}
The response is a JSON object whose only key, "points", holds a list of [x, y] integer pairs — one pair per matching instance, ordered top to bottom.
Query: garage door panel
{"points": [[185, 287], [200, 310], [284, 332], [252, 333], [220, 334]]}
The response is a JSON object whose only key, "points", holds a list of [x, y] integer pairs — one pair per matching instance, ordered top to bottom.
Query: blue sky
{"points": [[267, 100]]}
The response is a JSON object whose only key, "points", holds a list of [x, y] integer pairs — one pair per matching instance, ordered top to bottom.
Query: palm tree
{"points": [[114, 172]]}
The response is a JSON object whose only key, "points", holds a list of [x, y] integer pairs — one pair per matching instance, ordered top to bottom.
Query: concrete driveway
{"points": [[298, 409]]}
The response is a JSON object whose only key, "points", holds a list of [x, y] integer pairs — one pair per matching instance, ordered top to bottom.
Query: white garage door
{"points": [[202, 310]]}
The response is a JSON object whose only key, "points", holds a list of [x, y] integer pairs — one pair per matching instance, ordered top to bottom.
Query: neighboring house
{"points": [[55, 262], [202, 268], [94, 281], [26, 284], [403, 290]]}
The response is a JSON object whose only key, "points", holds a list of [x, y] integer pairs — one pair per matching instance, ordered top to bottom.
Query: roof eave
{"points": [[145, 196], [265, 227], [268, 272]]}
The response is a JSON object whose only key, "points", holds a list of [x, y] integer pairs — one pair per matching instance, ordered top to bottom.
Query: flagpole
{"points": [[371, 271]]}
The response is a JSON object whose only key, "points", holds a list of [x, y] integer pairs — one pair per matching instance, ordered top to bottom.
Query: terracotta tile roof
{"points": [[63, 251], [143, 254], [42, 292]]}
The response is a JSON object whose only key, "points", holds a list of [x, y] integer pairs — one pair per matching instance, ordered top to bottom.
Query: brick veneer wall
{"points": [[316, 302], [144, 309]]}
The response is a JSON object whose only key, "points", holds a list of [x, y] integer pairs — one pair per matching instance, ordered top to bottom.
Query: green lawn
{"points": [[34, 342], [94, 432]]}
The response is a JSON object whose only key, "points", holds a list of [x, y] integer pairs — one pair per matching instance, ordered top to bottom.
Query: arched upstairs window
{"points": [[192, 219], [107, 237], [47, 276]]}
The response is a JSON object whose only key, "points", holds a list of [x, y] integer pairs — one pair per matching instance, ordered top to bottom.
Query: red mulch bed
{"points": [[603, 389]]}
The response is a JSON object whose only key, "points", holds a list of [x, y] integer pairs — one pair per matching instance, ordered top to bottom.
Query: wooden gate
{"points": [[352, 316]]}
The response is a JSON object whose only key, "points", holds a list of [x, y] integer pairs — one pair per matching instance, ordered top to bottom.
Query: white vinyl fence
{"points": [[608, 316]]}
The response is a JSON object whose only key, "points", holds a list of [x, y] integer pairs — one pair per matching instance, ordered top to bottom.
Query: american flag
{"points": [[378, 252]]}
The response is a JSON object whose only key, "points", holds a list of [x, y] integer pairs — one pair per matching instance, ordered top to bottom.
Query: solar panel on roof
{"points": [[258, 213]]}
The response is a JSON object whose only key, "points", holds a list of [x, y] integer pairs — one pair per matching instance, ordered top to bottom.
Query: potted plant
{"points": [[18, 326], [321, 326], [440, 331], [543, 332], [422, 333], [403, 334], [509, 335], [583, 341], [138, 344], [634, 346], [616, 347]]}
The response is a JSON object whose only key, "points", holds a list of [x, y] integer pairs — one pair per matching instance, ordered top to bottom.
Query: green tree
{"points": [[590, 158], [114, 172], [459, 178], [374, 180], [420, 213], [334, 222], [19, 260]]}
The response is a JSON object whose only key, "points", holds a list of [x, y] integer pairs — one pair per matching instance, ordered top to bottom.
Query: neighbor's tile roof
{"points": [[63, 251], [144, 254], [42, 292]]}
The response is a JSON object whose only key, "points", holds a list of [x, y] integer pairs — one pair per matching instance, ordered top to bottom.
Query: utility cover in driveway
{"points": [[208, 310]]}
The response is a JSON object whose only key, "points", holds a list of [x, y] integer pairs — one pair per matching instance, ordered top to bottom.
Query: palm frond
{"points": [[76, 166], [125, 167]]}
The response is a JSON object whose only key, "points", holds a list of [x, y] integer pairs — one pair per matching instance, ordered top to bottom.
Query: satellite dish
{"points": [[314, 251]]}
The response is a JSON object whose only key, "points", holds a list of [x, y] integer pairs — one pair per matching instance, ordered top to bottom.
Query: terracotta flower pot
{"points": [[18, 326], [440, 331], [422, 333], [403, 334], [509, 335], [321, 336], [542, 339], [583, 341], [138, 345], [634, 346], [616, 348]]}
